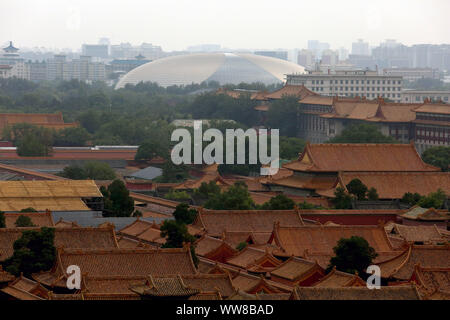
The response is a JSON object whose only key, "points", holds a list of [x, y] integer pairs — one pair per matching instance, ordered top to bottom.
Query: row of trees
{"points": [[94, 170], [356, 190], [236, 197], [21, 221]]}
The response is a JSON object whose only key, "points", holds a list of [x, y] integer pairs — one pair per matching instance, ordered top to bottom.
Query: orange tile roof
{"points": [[290, 90], [260, 96], [316, 99], [264, 108], [434, 108], [356, 110], [371, 110], [396, 113], [52, 120], [71, 154], [359, 157], [42, 175], [306, 182], [393, 185], [49, 189], [154, 200], [42, 204], [426, 214], [39, 219], [215, 222], [66, 224], [135, 228], [142, 230], [425, 234], [64, 237], [234, 238], [305, 240], [125, 242], [214, 249], [251, 257], [118, 262], [402, 266], [296, 270], [5, 276], [241, 279], [339, 279], [430, 280], [221, 283], [176, 285], [165, 286], [26, 289], [407, 292], [20, 294], [242, 295], [208, 296]]}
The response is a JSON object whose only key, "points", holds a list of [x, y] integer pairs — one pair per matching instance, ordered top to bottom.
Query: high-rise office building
{"points": [[318, 47], [360, 48], [95, 50], [283, 55], [306, 58]]}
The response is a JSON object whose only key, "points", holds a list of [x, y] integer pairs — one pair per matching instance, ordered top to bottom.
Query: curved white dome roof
{"points": [[225, 68]]}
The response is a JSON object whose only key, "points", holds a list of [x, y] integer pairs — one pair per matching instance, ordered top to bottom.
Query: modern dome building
{"points": [[225, 68]]}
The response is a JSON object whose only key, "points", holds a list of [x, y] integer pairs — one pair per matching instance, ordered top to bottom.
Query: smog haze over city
{"points": [[236, 24]]}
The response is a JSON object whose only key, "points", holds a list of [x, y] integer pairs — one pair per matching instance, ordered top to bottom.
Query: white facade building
{"points": [[352, 83], [419, 96]]}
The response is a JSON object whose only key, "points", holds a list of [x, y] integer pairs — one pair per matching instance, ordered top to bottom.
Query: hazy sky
{"points": [[254, 24]]}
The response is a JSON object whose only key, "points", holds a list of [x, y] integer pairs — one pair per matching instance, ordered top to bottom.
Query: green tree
{"points": [[282, 115], [90, 120], [362, 133], [71, 137], [30, 140], [30, 146], [291, 147], [152, 149], [438, 157], [94, 170], [97, 170], [74, 172], [173, 173], [357, 188], [207, 189], [372, 194], [177, 195], [236, 197], [411, 198], [342, 199], [433, 200], [118, 202], [279, 202], [29, 209], [137, 214], [184, 214], [2, 220], [24, 221], [176, 234], [241, 246], [34, 251], [352, 255]]}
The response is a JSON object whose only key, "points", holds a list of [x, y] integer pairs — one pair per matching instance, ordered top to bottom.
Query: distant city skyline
{"points": [[176, 25]]}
